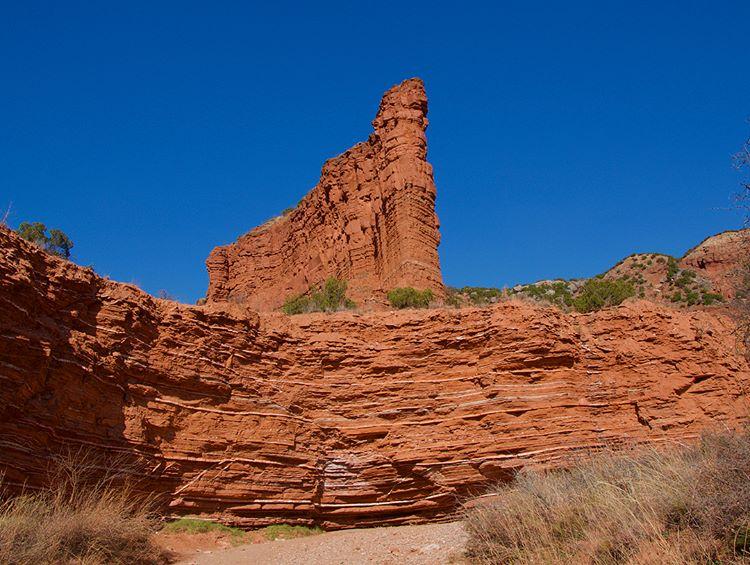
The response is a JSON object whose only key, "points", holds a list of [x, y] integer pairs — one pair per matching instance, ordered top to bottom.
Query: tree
{"points": [[35, 232], [56, 242], [60, 243], [742, 293]]}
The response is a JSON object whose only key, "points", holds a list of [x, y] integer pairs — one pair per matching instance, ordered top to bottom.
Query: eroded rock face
{"points": [[370, 220], [721, 258], [342, 419]]}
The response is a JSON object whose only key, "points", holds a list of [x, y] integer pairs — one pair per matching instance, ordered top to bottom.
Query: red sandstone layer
{"points": [[370, 220], [343, 419]]}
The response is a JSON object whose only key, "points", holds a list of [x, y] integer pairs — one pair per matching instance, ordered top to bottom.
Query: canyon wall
{"points": [[370, 221], [342, 419]]}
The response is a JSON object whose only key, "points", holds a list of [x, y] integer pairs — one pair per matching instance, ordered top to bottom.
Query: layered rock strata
{"points": [[370, 221], [343, 419]]}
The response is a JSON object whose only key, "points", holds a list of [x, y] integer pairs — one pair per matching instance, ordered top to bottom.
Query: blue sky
{"points": [[564, 135]]}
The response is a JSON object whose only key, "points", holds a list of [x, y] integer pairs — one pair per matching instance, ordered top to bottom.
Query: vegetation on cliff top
{"points": [[55, 242], [601, 293], [329, 297], [408, 297], [674, 505]]}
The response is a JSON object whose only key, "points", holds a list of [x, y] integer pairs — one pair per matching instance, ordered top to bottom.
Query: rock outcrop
{"points": [[370, 220], [722, 258], [343, 419]]}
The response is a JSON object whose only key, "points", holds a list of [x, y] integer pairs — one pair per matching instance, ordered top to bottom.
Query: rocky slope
{"points": [[370, 221], [343, 419]]}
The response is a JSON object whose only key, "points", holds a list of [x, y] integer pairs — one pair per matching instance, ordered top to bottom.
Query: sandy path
{"points": [[403, 545]]}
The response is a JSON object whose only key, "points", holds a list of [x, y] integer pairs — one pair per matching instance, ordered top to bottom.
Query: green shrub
{"points": [[56, 242], [672, 268], [685, 279], [556, 293], [597, 294], [331, 297], [408, 297], [692, 297], [454, 298], [709, 298], [297, 304]]}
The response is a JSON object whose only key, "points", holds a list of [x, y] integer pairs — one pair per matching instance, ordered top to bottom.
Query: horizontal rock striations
{"points": [[370, 220], [342, 419]]}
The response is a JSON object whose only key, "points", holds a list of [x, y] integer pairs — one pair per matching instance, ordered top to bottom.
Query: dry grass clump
{"points": [[674, 505], [81, 518]]}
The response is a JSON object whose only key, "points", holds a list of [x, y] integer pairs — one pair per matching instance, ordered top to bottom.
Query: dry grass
{"points": [[646, 506], [81, 518]]}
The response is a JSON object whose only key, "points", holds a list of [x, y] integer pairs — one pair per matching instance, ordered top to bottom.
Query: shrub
{"points": [[56, 242], [672, 268], [556, 293], [600, 293], [475, 295], [481, 296], [331, 297], [408, 297], [692, 297], [454, 298], [710, 298], [297, 304], [675, 505], [78, 519]]}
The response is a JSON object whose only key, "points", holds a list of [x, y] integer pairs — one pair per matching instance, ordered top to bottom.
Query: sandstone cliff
{"points": [[370, 220], [721, 258], [343, 419]]}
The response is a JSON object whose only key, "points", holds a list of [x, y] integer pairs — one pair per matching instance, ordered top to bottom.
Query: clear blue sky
{"points": [[564, 135]]}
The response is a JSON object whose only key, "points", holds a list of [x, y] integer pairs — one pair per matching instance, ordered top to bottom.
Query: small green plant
{"points": [[56, 242], [672, 268], [685, 279], [597, 294], [330, 297], [408, 297], [692, 297], [454, 298], [710, 298], [199, 526], [285, 531]]}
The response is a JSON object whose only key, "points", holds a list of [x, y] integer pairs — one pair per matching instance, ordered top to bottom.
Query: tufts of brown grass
{"points": [[688, 504], [80, 518]]}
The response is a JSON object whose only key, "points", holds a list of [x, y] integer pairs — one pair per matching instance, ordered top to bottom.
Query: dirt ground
{"points": [[404, 545]]}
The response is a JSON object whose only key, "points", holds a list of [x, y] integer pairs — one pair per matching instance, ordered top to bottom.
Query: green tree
{"points": [[35, 232], [56, 242], [60, 243], [600, 293]]}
